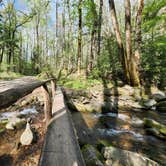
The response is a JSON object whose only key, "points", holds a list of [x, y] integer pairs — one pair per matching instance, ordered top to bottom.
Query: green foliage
{"points": [[154, 42], [9, 75], [80, 83]]}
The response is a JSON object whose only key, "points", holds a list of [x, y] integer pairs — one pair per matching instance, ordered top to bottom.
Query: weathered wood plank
{"points": [[11, 91], [61, 147]]}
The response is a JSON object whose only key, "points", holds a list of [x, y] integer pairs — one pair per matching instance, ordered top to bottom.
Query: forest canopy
{"points": [[122, 39]]}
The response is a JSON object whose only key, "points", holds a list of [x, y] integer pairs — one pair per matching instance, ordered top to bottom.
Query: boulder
{"points": [[127, 89], [159, 95], [149, 103], [161, 106], [15, 122], [136, 122], [152, 123], [155, 127], [27, 136], [92, 156], [121, 157]]}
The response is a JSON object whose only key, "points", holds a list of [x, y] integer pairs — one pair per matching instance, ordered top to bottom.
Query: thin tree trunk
{"points": [[99, 27], [79, 51], [137, 53], [123, 57], [134, 76]]}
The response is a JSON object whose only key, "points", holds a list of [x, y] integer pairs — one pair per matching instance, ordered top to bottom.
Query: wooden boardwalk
{"points": [[61, 147]]}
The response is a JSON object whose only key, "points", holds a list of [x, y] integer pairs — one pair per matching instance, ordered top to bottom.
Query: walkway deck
{"points": [[61, 147]]}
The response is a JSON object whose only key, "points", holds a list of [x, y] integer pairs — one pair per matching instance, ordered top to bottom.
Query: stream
{"points": [[124, 130]]}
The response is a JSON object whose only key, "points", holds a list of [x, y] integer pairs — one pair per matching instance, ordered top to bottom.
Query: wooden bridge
{"points": [[60, 147]]}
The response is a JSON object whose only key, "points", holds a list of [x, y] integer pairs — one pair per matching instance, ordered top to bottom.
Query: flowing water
{"points": [[24, 112], [124, 130]]}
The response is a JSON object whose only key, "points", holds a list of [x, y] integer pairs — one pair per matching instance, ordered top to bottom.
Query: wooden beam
{"points": [[53, 88], [11, 91], [47, 104], [61, 146]]}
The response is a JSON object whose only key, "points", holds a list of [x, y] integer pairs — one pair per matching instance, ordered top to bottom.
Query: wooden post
{"points": [[53, 88], [47, 104]]}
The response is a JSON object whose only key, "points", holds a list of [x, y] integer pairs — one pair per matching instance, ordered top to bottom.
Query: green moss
{"points": [[9, 75], [81, 83], [152, 123], [2, 131], [163, 131], [103, 143], [93, 153]]}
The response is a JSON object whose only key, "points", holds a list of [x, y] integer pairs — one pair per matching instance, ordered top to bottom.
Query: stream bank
{"points": [[121, 118], [12, 125]]}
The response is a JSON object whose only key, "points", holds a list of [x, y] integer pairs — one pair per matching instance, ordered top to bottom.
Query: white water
{"points": [[26, 111]]}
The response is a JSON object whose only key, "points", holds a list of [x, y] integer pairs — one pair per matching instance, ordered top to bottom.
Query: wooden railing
{"points": [[11, 91]]}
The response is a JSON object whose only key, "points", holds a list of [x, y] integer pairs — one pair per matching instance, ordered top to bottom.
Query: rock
{"points": [[128, 90], [137, 94], [159, 95], [149, 103], [161, 106], [84, 108], [15, 122], [136, 122], [152, 123], [156, 128], [2, 131], [153, 131], [163, 131], [27, 136], [92, 156], [124, 157], [108, 163]]}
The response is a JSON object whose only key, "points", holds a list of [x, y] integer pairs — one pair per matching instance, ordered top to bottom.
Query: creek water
{"points": [[24, 112], [124, 129]]}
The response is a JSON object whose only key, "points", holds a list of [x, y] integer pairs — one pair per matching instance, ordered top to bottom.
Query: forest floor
{"points": [[11, 151]]}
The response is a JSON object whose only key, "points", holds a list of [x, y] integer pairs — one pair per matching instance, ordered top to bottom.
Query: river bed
{"points": [[124, 130]]}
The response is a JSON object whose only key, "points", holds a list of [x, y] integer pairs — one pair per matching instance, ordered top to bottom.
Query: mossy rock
{"points": [[161, 106], [84, 108], [152, 123], [157, 127], [2, 131], [163, 131], [103, 143], [92, 156]]}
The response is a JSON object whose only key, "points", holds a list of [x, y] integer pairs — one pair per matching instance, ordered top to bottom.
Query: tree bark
{"points": [[99, 27], [93, 35], [138, 39], [79, 51], [123, 57], [134, 77]]}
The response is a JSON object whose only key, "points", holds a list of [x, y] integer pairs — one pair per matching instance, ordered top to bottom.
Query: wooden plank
{"points": [[11, 91], [61, 147]]}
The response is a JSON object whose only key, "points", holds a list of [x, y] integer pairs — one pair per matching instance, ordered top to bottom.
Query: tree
{"points": [[79, 48], [122, 53], [131, 58]]}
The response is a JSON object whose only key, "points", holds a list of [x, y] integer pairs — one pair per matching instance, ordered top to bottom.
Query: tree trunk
{"points": [[99, 27], [79, 51], [122, 53], [137, 53], [134, 77]]}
